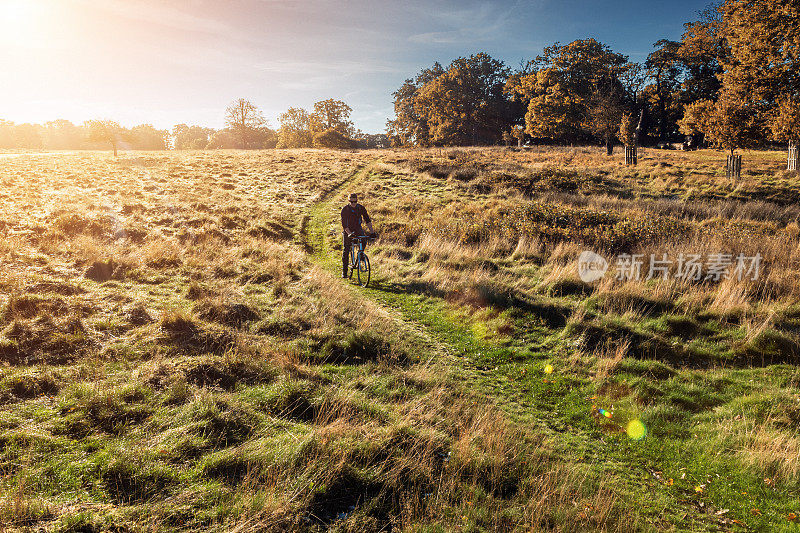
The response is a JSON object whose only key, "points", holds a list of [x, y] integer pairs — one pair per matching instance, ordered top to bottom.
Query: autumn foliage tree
{"points": [[764, 40], [703, 49], [664, 67], [763, 68], [573, 92], [462, 104], [465, 105], [552, 110], [604, 114], [333, 115], [696, 117], [728, 123], [410, 125], [733, 125], [327, 126], [785, 126], [627, 130], [295, 131], [62, 135], [147, 137], [191, 137], [332, 138]]}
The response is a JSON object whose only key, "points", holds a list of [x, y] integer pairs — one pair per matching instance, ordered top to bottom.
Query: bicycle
{"points": [[359, 262]]}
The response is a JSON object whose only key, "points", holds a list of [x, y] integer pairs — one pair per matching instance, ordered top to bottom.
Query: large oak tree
{"points": [[574, 92], [462, 104], [333, 115]]}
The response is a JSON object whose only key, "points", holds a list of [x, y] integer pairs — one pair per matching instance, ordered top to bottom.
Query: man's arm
{"points": [[367, 219], [344, 222]]}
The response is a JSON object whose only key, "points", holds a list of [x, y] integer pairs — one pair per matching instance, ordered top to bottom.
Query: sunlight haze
{"points": [[143, 61]]}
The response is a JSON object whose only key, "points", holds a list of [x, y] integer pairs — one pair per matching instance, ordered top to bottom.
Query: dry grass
{"points": [[673, 203], [162, 313], [170, 345], [761, 441]]}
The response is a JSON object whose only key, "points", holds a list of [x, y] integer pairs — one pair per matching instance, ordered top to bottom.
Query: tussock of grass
{"points": [[270, 230], [235, 314], [190, 335], [45, 340], [354, 348], [211, 371], [27, 384], [87, 408]]}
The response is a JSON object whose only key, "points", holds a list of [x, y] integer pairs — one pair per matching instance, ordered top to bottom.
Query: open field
{"points": [[178, 353]]}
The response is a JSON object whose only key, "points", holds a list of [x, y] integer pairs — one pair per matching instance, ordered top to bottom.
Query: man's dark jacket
{"points": [[352, 216]]}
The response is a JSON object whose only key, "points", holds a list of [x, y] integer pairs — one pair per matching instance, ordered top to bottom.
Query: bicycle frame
{"points": [[356, 249]]}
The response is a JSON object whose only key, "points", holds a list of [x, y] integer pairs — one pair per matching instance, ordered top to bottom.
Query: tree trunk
{"points": [[638, 129], [609, 145], [114, 146], [631, 152], [794, 155]]}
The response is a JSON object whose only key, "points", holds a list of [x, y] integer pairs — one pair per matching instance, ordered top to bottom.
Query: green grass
{"points": [[228, 378], [684, 473]]}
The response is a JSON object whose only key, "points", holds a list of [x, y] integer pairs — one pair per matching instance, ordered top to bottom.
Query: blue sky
{"points": [[171, 61]]}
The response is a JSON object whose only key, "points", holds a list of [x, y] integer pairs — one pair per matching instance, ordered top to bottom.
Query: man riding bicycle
{"points": [[352, 214]]}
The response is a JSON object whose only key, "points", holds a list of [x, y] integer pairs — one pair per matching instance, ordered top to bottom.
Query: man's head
{"points": [[353, 198]]}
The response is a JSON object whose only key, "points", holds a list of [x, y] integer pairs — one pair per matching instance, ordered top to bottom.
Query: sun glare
{"points": [[19, 20]]}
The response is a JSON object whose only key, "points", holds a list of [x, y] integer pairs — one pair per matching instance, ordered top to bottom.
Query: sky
{"points": [[166, 62]]}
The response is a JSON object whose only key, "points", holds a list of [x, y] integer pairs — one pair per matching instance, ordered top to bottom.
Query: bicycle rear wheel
{"points": [[363, 271]]}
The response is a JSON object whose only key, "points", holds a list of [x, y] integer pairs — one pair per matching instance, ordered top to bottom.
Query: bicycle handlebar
{"points": [[363, 237]]}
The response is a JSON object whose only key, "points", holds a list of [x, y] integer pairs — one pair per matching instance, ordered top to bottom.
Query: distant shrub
{"points": [[223, 139], [294, 139], [333, 139]]}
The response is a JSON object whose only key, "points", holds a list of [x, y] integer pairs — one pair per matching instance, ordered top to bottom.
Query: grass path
{"points": [[556, 404]]}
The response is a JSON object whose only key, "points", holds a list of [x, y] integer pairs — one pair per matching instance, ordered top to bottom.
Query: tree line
{"points": [[732, 80], [328, 125], [91, 135]]}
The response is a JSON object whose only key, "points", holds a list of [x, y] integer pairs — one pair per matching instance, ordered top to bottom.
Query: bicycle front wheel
{"points": [[353, 262], [363, 270]]}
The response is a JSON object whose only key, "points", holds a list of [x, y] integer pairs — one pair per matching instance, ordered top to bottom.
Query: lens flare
{"points": [[548, 369], [606, 413], [636, 430]]}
